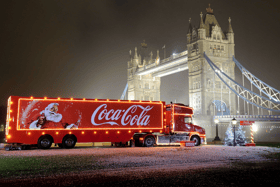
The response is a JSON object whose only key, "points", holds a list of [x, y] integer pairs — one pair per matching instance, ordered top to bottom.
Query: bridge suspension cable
{"points": [[124, 92], [271, 92], [244, 93]]}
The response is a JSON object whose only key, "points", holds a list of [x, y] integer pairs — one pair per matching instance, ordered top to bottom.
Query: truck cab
{"points": [[181, 123], [179, 127]]}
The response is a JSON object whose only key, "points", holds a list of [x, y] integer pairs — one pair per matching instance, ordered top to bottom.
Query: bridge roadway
{"points": [[175, 63], [256, 118]]}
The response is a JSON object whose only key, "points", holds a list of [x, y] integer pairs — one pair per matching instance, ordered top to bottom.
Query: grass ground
{"points": [[272, 144], [19, 167], [238, 174], [262, 175]]}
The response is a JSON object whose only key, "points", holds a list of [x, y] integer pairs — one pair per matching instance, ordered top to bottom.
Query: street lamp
{"points": [[234, 121], [254, 128], [217, 137]]}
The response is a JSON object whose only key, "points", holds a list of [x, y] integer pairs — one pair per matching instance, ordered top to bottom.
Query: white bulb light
{"points": [[255, 128]]}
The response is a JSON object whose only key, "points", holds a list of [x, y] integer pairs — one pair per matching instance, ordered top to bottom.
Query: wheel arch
{"points": [[46, 135], [70, 135], [137, 136], [140, 138]]}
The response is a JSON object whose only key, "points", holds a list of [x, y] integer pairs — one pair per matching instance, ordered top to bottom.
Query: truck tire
{"points": [[196, 139], [149, 141], [44, 142], [69, 142]]}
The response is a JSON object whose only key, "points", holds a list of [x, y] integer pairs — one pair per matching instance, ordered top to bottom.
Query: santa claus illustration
{"points": [[50, 118], [37, 124]]}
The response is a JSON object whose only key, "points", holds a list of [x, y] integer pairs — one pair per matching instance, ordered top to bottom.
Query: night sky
{"points": [[80, 48]]}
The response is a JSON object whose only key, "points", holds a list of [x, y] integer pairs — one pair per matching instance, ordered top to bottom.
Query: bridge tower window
{"points": [[209, 82], [147, 86], [146, 98]]}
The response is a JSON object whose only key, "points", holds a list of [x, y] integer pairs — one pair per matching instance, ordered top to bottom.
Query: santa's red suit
{"points": [[54, 125]]}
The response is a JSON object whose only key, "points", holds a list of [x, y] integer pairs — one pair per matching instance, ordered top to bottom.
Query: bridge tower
{"points": [[142, 87], [207, 94]]}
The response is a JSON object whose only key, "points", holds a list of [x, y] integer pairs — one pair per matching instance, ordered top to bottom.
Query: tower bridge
{"points": [[213, 92]]}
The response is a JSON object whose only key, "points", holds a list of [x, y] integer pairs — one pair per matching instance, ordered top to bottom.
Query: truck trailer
{"points": [[42, 121]]}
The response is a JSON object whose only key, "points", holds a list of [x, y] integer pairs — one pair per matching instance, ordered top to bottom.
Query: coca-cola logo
{"points": [[129, 116]]}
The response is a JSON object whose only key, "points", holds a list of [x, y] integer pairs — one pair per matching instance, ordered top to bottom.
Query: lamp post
{"points": [[234, 121], [254, 128], [217, 136]]}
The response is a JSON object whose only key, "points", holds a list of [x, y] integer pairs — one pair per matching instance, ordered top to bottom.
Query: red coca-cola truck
{"points": [[65, 121]]}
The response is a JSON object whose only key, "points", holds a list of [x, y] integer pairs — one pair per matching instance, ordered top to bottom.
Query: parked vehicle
{"points": [[65, 121]]}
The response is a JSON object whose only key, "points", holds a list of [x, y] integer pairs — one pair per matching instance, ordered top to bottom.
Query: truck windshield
{"points": [[188, 119]]}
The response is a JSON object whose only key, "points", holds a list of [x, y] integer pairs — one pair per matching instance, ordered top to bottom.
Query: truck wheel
{"points": [[196, 140], [149, 141], [44, 142], [68, 142]]}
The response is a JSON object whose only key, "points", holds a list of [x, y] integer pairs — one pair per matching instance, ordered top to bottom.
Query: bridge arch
{"points": [[221, 108]]}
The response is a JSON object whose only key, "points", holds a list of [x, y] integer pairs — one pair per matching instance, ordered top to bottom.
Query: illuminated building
{"points": [[142, 87], [207, 93]]}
